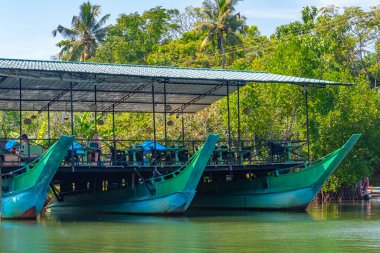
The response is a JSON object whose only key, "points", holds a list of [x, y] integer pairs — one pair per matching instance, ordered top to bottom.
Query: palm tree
{"points": [[221, 25], [85, 34]]}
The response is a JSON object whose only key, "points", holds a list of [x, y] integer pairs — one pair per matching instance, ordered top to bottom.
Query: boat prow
{"points": [[288, 188], [25, 189], [169, 193]]}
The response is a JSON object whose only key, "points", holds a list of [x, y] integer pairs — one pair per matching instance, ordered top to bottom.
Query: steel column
{"points": [[20, 107], [71, 109], [96, 111], [48, 116], [238, 116], [229, 121], [307, 121], [154, 122], [72, 124], [165, 128], [183, 129], [114, 133]]}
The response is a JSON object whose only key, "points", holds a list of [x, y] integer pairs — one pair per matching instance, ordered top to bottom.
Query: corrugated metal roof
{"points": [[156, 72], [127, 88]]}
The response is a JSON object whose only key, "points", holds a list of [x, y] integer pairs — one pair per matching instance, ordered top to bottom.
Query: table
{"points": [[290, 147], [134, 149], [176, 151], [219, 151], [241, 153]]}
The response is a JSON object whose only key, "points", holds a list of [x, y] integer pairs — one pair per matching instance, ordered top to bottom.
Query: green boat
{"points": [[287, 188], [24, 190], [169, 193]]}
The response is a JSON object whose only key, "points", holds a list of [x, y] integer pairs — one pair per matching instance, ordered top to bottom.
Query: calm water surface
{"points": [[347, 227]]}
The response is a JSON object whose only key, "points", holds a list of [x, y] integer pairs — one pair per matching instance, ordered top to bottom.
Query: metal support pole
{"points": [[20, 107], [71, 108], [96, 112], [48, 115], [238, 116], [229, 121], [154, 122], [307, 122], [72, 124], [165, 128], [183, 129], [113, 133]]}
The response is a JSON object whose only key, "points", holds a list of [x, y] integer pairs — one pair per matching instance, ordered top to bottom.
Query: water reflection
{"points": [[345, 210], [251, 216], [343, 227]]}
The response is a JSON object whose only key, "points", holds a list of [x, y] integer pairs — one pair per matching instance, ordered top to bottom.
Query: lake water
{"points": [[345, 227]]}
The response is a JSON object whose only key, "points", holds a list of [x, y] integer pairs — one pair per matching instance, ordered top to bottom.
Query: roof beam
{"points": [[99, 81], [111, 91], [209, 92], [123, 99], [44, 108]]}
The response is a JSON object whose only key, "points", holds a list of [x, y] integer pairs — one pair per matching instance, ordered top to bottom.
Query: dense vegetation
{"points": [[327, 43]]}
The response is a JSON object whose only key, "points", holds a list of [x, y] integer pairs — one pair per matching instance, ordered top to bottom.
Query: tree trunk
{"points": [[223, 50]]}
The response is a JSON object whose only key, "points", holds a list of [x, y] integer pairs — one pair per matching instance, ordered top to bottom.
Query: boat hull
{"points": [[292, 188], [167, 194], [28, 196], [287, 199], [174, 203], [23, 205]]}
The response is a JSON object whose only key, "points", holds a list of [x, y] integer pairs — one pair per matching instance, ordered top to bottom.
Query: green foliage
{"points": [[132, 38]]}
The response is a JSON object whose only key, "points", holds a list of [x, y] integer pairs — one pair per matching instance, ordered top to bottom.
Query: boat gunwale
{"points": [[172, 175]]}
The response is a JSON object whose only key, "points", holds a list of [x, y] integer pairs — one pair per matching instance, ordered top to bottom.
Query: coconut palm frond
{"points": [[101, 22], [222, 23], [65, 32], [86, 33]]}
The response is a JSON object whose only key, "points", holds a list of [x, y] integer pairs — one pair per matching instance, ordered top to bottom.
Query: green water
{"points": [[348, 227]]}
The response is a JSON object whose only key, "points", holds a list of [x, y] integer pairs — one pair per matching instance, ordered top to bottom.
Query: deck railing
{"points": [[123, 152]]}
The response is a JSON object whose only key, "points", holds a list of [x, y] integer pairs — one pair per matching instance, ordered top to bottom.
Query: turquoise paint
{"points": [[285, 189], [170, 196], [16, 202]]}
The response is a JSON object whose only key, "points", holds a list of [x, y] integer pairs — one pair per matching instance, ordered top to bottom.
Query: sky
{"points": [[26, 26]]}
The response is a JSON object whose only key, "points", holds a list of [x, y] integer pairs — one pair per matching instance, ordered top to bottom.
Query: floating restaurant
{"points": [[155, 176]]}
